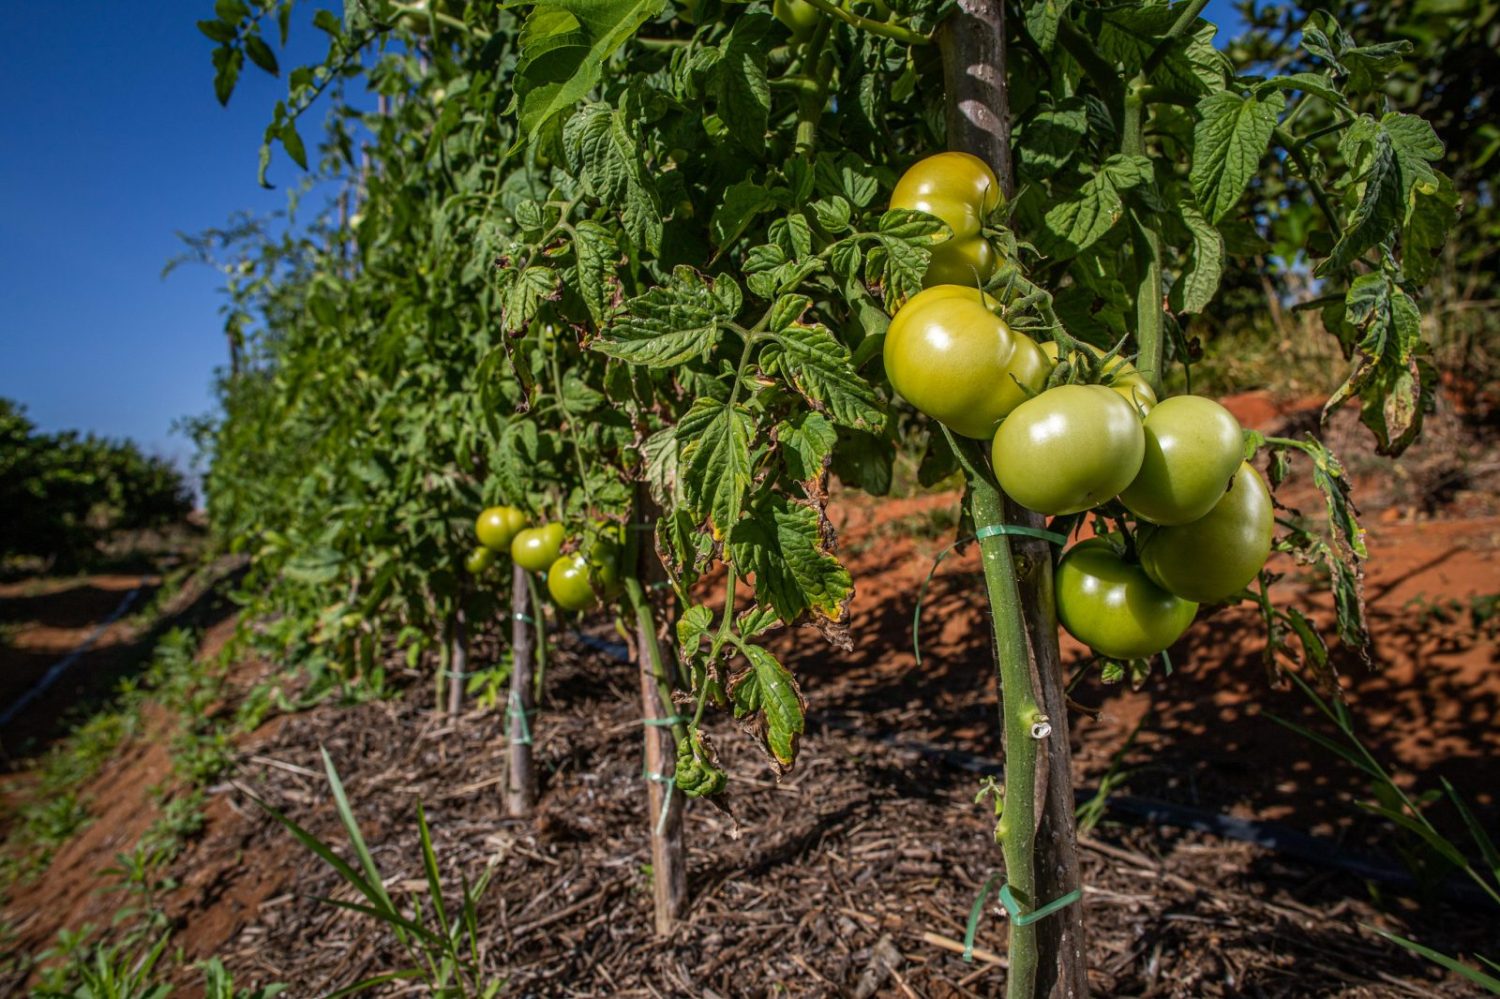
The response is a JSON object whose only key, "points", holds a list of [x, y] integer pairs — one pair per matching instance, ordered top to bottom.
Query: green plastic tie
{"points": [[992, 530], [988, 531], [527, 618], [516, 711], [667, 722], [666, 804], [1012, 908]]}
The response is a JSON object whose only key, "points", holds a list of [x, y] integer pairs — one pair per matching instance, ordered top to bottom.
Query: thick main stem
{"points": [[978, 120], [1149, 319], [1020, 717], [520, 785]]}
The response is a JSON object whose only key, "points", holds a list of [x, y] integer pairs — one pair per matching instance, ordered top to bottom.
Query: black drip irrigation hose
{"points": [[56, 670], [1317, 851]]}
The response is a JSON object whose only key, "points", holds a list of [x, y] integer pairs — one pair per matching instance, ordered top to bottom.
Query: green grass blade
{"points": [[1341, 751], [346, 816], [1441, 846], [1487, 848], [325, 852], [429, 861], [391, 918], [1487, 982], [369, 983]]}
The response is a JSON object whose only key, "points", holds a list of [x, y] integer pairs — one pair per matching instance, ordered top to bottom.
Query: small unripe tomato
{"points": [[799, 16], [958, 188], [969, 262], [946, 353], [1120, 375], [1193, 447], [1069, 449], [497, 527], [536, 548], [1218, 554], [479, 560], [604, 567], [568, 582], [1112, 607]]}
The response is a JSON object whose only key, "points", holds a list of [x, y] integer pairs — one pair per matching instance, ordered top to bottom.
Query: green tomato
{"points": [[799, 16], [958, 188], [967, 262], [946, 353], [1026, 375], [1120, 375], [1193, 446], [1069, 449], [497, 527], [536, 548], [1219, 554], [480, 559], [604, 567], [568, 582], [1112, 607]]}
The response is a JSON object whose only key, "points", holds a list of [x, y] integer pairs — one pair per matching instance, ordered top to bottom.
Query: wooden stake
{"points": [[520, 788]]}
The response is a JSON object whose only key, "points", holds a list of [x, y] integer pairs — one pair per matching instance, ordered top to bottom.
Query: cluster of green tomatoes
{"points": [[1203, 516], [576, 581]]}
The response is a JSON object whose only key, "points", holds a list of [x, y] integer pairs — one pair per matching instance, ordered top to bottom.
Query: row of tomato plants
{"points": [[634, 267]]}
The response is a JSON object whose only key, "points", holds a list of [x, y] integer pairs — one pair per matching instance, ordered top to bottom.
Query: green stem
{"points": [[445, 19], [1184, 21], [883, 28], [810, 103], [1295, 152], [1148, 292], [581, 462], [539, 619], [1020, 715]]}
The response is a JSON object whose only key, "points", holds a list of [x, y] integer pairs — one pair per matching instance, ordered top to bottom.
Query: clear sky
{"points": [[112, 143]]}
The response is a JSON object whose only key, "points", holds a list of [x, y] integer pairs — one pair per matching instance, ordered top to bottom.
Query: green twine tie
{"points": [[988, 531], [517, 712], [1013, 908]]}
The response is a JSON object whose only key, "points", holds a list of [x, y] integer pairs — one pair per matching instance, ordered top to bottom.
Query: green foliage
{"points": [[585, 248], [63, 493]]}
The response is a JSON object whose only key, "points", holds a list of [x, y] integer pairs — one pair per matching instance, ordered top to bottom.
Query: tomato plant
{"points": [[621, 266]]}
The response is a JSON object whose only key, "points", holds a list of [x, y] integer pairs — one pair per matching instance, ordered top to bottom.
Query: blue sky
{"points": [[113, 143]]}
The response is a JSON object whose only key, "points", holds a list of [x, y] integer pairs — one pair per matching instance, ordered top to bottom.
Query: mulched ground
{"points": [[854, 875]]}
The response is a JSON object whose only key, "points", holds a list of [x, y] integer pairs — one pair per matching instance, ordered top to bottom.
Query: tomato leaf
{"points": [[565, 46], [742, 91], [1231, 137], [1195, 287], [668, 325], [819, 368], [807, 441], [715, 446], [766, 689]]}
